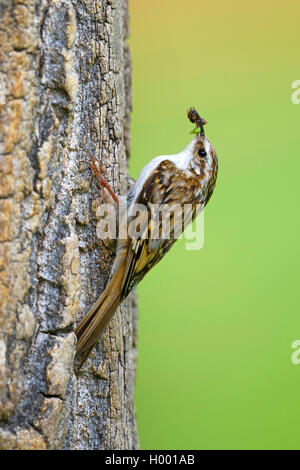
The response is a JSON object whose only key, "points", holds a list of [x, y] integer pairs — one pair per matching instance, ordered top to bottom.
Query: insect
{"points": [[187, 180]]}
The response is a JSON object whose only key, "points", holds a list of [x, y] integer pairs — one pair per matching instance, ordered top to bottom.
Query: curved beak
{"points": [[201, 124]]}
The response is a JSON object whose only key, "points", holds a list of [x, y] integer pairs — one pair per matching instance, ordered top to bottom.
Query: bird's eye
{"points": [[202, 153]]}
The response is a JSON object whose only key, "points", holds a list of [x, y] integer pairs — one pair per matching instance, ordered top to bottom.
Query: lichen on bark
{"points": [[64, 89]]}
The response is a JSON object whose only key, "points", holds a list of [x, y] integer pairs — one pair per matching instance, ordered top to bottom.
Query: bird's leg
{"points": [[97, 169]]}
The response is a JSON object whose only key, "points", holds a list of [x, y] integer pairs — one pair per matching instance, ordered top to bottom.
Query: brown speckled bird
{"points": [[186, 179]]}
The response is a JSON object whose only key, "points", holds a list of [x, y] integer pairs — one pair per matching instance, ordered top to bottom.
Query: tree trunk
{"points": [[65, 88]]}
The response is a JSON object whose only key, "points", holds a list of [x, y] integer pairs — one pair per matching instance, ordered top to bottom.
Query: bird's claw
{"points": [[97, 170]]}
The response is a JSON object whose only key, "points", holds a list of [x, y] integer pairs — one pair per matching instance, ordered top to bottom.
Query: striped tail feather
{"points": [[94, 323]]}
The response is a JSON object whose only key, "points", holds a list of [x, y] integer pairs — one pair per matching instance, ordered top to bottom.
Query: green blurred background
{"points": [[216, 325]]}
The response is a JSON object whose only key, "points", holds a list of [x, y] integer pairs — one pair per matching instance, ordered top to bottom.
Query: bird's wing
{"points": [[165, 185]]}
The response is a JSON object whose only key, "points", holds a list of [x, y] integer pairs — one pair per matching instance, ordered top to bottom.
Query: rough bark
{"points": [[64, 89]]}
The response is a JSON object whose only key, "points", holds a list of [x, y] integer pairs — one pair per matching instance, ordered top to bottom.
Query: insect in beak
{"points": [[197, 120]]}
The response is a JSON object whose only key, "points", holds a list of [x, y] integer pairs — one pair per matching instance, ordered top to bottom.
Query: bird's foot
{"points": [[97, 170]]}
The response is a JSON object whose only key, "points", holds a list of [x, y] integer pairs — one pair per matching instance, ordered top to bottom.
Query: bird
{"points": [[186, 179]]}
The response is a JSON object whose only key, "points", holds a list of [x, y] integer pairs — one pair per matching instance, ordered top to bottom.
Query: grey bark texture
{"points": [[64, 89]]}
